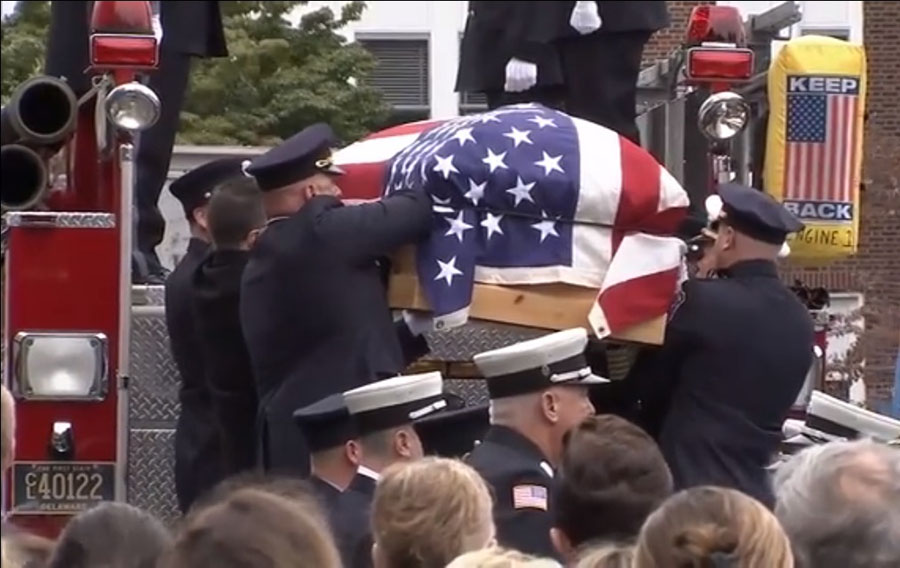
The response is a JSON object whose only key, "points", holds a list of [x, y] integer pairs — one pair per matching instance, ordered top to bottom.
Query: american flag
{"points": [[822, 131], [529, 195], [530, 497]]}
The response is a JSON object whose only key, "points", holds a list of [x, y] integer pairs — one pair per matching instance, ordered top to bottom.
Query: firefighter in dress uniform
{"points": [[189, 29], [585, 56], [236, 217], [314, 305], [737, 351], [538, 391], [384, 414], [334, 449], [198, 453]]}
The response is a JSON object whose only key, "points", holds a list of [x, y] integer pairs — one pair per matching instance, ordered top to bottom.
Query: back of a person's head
{"points": [[235, 209], [7, 428], [612, 476], [839, 503], [427, 512], [710, 526], [254, 528], [111, 535], [606, 556], [496, 557]]}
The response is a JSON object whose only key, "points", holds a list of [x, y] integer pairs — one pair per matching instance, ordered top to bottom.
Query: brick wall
{"points": [[664, 40], [875, 270]]}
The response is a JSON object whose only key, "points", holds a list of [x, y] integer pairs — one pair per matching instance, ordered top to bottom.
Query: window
{"points": [[836, 32], [402, 75], [471, 103]]}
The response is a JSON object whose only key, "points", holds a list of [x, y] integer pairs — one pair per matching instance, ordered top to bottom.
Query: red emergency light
{"points": [[716, 24], [122, 36], [719, 64]]}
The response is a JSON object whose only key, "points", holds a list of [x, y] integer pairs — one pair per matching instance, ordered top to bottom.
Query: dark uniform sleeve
{"points": [[370, 230], [656, 370], [522, 522]]}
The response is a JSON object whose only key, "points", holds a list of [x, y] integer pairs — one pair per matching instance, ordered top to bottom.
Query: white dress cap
{"points": [[557, 358], [393, 392]]}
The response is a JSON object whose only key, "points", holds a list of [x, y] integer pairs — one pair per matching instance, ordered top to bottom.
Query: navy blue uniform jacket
{"points": [[314, 310], [736, 355]]}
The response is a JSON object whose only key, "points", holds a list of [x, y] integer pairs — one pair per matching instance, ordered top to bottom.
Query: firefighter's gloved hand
{"points": [[585, 17], [520, 75], [418, 322]]}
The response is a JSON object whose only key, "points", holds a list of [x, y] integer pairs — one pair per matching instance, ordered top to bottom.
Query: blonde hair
{"points": [[7, 428], [427, 512], [696, 526], [255, 527], [606, 556], [496, 557]]}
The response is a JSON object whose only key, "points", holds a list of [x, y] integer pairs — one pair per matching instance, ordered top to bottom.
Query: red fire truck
{"points": [[67, 290], [86, 353]]}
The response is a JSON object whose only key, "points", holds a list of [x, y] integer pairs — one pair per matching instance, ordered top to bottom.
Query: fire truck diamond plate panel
{"points": [[153, 408], [151, 473]]}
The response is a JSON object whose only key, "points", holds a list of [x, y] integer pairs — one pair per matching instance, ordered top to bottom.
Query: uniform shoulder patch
{"points": [[529, 497]]}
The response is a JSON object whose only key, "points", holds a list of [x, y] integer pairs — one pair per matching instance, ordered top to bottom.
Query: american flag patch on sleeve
{"points": [[530, 497]]}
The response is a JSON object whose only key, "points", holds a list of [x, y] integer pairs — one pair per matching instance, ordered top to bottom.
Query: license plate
{"points": [[61, 488]]}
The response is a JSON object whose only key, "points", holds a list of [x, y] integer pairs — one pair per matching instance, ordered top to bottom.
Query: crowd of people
{"points": [[612, 505]]}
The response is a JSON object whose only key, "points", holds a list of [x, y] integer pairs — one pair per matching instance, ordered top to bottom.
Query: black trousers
{"points": [[600, 73], [153, 155]]}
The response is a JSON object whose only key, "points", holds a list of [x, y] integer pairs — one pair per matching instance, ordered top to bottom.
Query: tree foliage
{"points": [[277, 79]]}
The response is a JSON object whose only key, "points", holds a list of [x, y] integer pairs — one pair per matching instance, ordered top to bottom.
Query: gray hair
{"points": [[840, 505]]}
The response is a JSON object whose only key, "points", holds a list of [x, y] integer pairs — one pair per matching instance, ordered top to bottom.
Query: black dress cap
{"points": [[302, 155], [194, 188], [756, 214], [325, 424], [454, 433]]}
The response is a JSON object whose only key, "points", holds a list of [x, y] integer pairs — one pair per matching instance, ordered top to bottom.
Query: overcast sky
{"points": [[8, 7]]}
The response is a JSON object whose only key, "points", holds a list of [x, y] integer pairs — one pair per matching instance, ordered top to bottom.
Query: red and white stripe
{"points": [[825, 171]]}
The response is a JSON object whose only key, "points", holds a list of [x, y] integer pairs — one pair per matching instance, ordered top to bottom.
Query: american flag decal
{"points": [[820, 150], [530, 497]]}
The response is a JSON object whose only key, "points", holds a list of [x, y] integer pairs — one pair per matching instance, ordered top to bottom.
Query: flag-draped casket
{"points": [[527, 198]]}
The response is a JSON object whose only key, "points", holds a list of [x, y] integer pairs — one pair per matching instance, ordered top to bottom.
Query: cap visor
{"points": [[592, 379]]}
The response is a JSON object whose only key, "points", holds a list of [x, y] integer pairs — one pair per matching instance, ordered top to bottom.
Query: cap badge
{"points": [[244, 165], [545, 370]]}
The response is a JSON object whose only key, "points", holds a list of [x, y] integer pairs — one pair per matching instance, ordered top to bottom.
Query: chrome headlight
{"points": [[132, 106], [723, 115], [61, 366]]}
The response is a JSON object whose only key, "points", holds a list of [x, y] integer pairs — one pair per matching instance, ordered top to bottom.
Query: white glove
{"points": [[585, 17], [520, 76], [418, 322]]}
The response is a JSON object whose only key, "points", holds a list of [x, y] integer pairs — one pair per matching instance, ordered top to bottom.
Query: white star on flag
{"points": [[488, 117], [542, 122], [464, 135], [519, 136], [495, 160], [550, 164], [445, 166], [476, 191], [522, 191], [492, 224], [458, 226], [546, 227], [448, 270]]}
